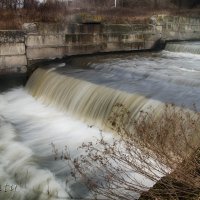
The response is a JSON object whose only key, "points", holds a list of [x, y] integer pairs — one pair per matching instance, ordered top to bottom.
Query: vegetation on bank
{"points": [[14, 13], [165, 144]]}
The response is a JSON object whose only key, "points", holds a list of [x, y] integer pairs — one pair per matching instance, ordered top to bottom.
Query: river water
{"points": [[166, 76], [33, 118]]}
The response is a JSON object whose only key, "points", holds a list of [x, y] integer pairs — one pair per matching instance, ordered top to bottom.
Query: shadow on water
{"points": [[9, 81]]}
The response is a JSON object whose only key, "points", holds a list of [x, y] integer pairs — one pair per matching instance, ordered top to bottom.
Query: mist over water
{"points": [[63, 108]]}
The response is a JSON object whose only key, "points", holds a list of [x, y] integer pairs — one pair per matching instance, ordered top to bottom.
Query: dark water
{"points": [[9, 81]]}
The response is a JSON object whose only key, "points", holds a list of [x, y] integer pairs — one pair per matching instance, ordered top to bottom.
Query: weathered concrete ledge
{"points": [[12, 36], [40, 41], [53, 41], [12, 52]]}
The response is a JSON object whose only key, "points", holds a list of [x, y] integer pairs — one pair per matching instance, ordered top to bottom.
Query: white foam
{"points": [[27, 129], [26, 146]]}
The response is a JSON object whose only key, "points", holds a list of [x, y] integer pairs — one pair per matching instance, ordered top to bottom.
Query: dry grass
{"points": [[59, 13], [13, 19]]}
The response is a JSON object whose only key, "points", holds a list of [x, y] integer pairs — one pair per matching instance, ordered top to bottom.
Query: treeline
{"points": [[142, 3], [16, 4], [30, 4], [155, 4]]}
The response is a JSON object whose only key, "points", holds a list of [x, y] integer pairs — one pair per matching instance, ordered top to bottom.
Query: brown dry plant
{"points": [[159, 149]]}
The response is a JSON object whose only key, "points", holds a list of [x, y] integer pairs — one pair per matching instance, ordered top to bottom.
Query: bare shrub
{"points": [[173, 133], [162, 149]]}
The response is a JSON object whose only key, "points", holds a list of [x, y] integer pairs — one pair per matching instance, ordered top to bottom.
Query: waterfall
{"points": [[185, 47], [86, 101]]}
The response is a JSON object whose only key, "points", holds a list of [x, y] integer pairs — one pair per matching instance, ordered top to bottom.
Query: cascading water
{"points": [[187, 47], [86, 91], [89, 102]]}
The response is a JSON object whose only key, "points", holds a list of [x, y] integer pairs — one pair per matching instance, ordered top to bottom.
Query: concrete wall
{"points": [[178, 28], [75, 39], [39, 41], [12, 51]]}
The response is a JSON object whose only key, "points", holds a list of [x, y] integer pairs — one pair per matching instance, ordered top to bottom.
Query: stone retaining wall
{"points": [[178, 28], [77, 39], [12, 51]]}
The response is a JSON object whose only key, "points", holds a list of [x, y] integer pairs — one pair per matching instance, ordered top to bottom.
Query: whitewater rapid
{"points": [[27, 129]]}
